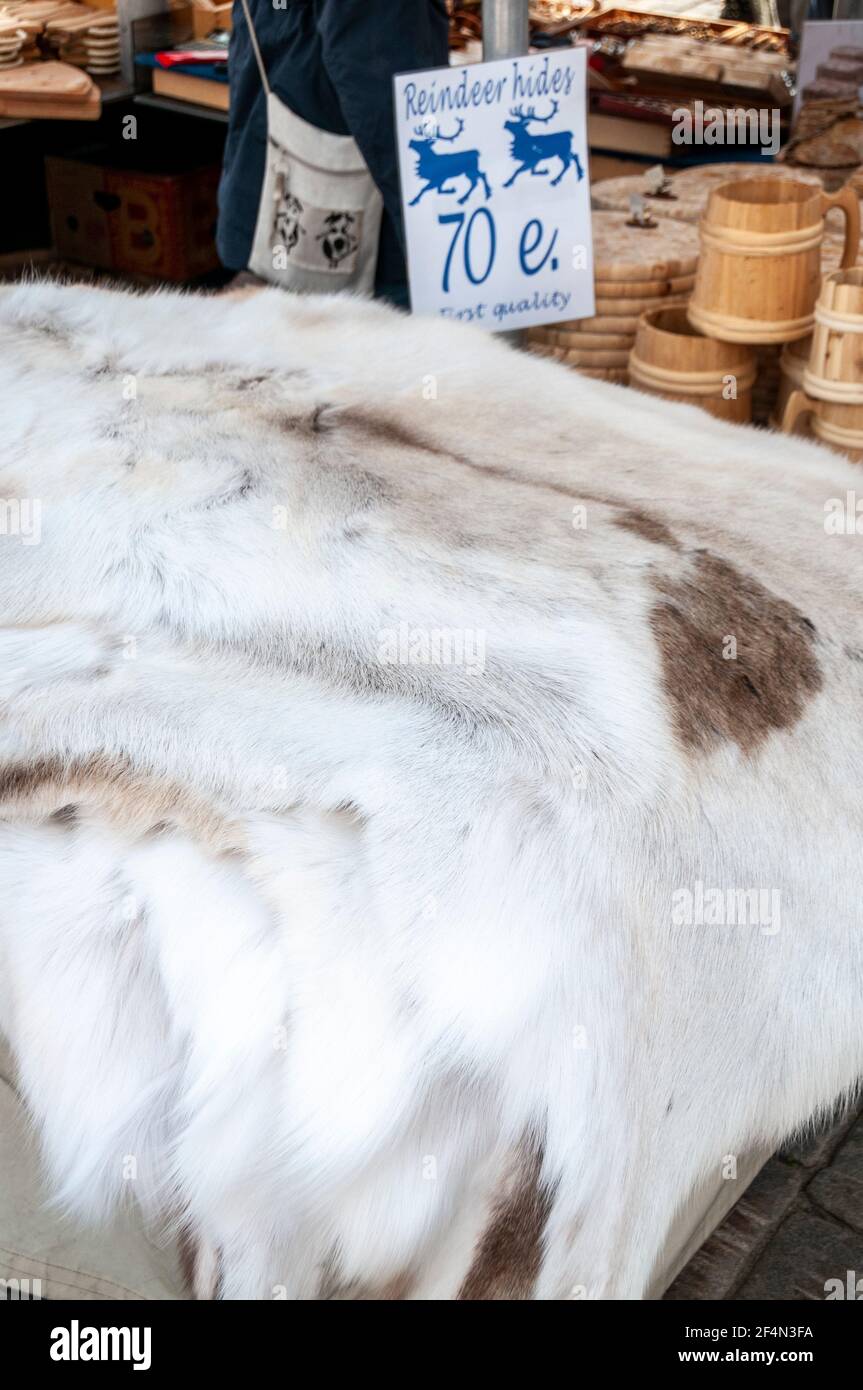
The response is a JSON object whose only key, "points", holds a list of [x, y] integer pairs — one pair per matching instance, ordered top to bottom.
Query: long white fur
{"points": [[448, 921]]}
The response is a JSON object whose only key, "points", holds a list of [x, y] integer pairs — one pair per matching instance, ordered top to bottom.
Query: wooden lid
{"points": [[622, 252]]}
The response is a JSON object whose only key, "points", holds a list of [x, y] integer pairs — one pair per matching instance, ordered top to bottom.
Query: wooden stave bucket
{"points": [[765, 235], [664, 337], [835, 368], [836, 424]]}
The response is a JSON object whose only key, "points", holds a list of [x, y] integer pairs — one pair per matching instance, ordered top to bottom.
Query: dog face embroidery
{"points": [[289, 229], [339, 238]]}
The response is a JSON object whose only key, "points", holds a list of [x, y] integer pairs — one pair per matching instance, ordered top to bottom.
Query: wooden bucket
{"points": [[760, 265], [635, 268], [672, 359], [835, 368], [838, 426]]}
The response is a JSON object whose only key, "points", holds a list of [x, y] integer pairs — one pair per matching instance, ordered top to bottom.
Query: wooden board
{"points": [[675, 62], [51, 81], [19, 108], [691, 188], [621, 252], [628, 289], [632, 308], [607, 323], [575, 338], [615, 374]]}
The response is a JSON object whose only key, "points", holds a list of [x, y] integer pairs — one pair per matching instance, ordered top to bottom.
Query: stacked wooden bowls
{"points": [[635, 269]]}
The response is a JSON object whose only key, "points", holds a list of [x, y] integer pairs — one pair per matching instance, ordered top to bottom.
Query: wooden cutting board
{"points": [[51, 81], [28, 110], [691, 187], [632, 254], [623, 289], [632, 308], [575, 338], [580, 357]]}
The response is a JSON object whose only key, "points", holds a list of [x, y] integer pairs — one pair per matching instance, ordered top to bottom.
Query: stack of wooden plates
{"points": [[38, 13], [35, 17], [9, 20], [65, 36], [85, 37], [12, 41], [102, 42], [691, 188], [636, 268]]}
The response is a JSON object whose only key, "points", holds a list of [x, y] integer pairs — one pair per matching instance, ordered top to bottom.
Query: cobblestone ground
{"points": [[799, 1224]]}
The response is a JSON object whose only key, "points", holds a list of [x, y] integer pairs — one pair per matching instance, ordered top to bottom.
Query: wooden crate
{"points": [[206, 17], [143, 223]]}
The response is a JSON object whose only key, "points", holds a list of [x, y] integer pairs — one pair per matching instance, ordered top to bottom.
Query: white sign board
{"points": [[820, 37], [495, 190]]}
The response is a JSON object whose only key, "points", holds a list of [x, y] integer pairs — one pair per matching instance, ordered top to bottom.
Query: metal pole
{"points": [[504, 28], [505, 35]]}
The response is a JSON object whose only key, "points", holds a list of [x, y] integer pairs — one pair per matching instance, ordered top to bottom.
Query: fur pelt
{"points": [[430, 791]]}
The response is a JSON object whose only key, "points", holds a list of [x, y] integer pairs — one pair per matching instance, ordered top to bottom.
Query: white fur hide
{"points": [[411, 694]]}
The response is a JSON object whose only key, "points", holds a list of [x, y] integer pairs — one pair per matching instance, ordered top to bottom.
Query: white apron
{"points": [[320, 214]]}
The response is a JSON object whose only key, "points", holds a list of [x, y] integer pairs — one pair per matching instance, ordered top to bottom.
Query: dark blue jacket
{"points": [[332, 62]]}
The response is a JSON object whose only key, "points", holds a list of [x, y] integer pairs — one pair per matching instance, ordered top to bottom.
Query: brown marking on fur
{"points": [[318, 420], [382, 429], [641, 523], [741, 700], [21, 780], [135, 798], [187, 1250], [508, 1258], [200, 1265], [394, 1290]]}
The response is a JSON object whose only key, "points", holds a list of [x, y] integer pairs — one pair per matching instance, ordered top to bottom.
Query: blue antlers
{"points": [[531, 150], [436, 168]]}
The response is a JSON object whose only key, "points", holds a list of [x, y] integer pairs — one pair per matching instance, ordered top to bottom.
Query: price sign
{"points": [[495, 191]]}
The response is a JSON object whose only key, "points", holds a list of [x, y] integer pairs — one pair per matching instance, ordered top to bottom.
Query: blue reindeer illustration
{"points": [[532, 149], [437, 168]]}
